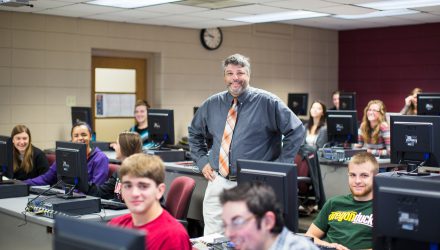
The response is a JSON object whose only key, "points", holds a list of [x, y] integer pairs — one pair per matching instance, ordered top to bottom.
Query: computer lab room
{"points": [[173, 124]]}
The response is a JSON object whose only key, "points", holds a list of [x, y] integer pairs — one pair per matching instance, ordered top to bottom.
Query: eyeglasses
{"points": [[237, 223]]}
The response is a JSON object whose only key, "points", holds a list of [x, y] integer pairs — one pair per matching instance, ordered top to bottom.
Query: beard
{"points": [[237, 90], [367, 190]]}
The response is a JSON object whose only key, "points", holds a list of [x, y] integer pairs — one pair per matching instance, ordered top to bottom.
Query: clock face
{"points": [[211, 38]]}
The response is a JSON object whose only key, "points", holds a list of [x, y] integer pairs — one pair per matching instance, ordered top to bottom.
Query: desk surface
{"points": [[16, 207]]}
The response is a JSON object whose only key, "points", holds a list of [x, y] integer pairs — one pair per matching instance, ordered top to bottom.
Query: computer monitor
{"points": [[347, 101], [297, 102], [428, 104], [83, 114], [161, 126], [342, 126], [415, 141], [6, 161], [71, 162], [282, 177], [405, 212], [77, 234]]}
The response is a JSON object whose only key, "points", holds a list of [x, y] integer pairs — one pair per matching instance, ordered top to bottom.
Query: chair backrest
{"points": [[50, 158], [112, 168], [179, 196]]}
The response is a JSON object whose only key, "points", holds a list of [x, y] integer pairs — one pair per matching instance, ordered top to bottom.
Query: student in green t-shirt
{"points": [[346, 221]]}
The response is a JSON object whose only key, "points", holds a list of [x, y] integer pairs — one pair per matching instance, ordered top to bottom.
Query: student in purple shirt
{"points": [[97, 161]]}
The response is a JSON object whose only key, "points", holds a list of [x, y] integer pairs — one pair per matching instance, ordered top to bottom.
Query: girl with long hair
{"points": [[28, 160]]}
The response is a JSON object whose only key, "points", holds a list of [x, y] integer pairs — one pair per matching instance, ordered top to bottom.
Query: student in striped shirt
{"points": [[374, 132]]}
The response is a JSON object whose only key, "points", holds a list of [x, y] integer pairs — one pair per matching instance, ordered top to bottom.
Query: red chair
{"points": [[50, 158], [112, 168], [179, 197]]}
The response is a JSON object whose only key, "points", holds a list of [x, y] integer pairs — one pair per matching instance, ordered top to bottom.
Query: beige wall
{"points": [[45, 59]]}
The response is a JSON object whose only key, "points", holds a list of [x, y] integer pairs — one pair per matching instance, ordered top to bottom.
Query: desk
{"points": [[335, 175], [35, 234]]}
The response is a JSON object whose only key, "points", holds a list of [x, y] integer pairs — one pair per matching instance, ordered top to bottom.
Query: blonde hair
{"points": [[372, 133], [365, 157], [27, 163], [142, 165]]}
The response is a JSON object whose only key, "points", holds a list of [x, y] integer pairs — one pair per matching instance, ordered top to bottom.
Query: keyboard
{"points": [[40, 189], [113, 205]]}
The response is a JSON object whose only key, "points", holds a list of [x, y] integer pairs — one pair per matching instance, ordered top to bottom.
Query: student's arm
{"points": [[99, 166], [48, 178], [317, 234]]}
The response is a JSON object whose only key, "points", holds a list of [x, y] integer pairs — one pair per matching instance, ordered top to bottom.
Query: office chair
{"points": [[50, 158], [112, 168], [310, 187], [179, 198]]}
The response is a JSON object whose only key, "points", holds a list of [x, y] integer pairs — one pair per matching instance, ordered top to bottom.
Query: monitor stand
{"points": [[70, 194]]}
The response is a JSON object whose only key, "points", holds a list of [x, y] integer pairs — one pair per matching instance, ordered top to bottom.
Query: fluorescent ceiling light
{"points": [[129, 4], [399, 4], [378, 14], [279, 16]]}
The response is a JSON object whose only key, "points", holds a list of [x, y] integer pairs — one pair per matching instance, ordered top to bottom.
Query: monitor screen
{"points": [[347, 101], [297, 102], [428, 104], [83, 114], [161, 126], [342, 126], [415, 140], [71, 162], [6, 163], [282, 177], [405, 211], [77, 234]]}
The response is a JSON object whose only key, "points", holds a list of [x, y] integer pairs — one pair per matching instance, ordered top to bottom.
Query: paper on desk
{"points": [[208, 239]]}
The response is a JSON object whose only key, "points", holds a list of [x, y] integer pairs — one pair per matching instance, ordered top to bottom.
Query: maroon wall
{"points": [[387, 63]]}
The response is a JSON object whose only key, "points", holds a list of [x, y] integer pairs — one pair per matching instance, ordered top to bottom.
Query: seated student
{"points": [[335, 100], [410, 107], [141, 122], [374, 131], [316, 133], [128, 143], [29, 161], [97, 161], [142, 187], [252, 219], [346, 221]]}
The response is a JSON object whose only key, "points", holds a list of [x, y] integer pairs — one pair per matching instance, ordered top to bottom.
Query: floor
{"points": [[305, 221]]}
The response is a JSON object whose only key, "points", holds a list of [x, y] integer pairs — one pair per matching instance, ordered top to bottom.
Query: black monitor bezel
{"points": [[349, 97], [303, 99], [423, 99], [169, 113], [336, 137], [6, 152], [434, 157], [80, 168], [259, 170], [398, 195], [77, 234]]}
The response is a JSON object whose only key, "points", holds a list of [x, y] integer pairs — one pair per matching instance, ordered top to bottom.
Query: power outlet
{"points": [[70, 101]]}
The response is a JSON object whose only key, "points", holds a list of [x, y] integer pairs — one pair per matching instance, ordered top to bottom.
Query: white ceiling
{"points": [[213, 13]]}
